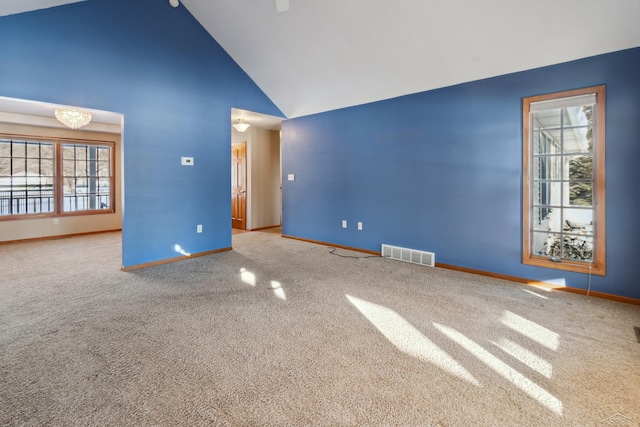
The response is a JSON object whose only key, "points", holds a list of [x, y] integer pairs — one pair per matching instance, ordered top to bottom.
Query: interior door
{"points": [[239, 186]]}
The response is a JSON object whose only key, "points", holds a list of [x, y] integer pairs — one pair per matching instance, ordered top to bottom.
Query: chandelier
{"points": [[73, 117]]}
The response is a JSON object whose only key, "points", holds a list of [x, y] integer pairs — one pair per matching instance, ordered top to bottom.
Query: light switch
{"points": [[186, 161], [291, 177]]}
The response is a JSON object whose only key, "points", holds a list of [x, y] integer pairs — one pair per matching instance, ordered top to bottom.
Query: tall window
{"points": [[50, 178], [564, 180]]}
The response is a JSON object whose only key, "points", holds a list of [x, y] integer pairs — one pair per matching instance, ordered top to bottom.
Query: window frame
{"points": [[58, 178], [598, 264]]}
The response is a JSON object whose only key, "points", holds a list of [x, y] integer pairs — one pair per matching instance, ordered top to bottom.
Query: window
{"points": [[86, 177], [51, 178], [564, 187]]}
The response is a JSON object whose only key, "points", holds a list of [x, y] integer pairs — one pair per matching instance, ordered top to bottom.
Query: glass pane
{"points": [[576, 116], [547, 119], [577, 140], [547, 142], [540, 143], [5, 148], [18, 149], [33, 150], [46, 151], [68, 152], [82, 152], [103, 154], [5, 167], [18, 167], [33, 167], [46, 167], [75, 168], [547, 168], [579, 168], [103, 169], [47, 181], [19, 183], [81, 185], [69, 189], [547, 193], [581, 194], [72, 200], [81, 202], [70, 203], [546, 219], [578, 221], [546, 244], [578, 248]]}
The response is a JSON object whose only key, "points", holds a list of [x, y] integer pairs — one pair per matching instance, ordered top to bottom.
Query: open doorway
{"points": [[28, 181], [256, 193]]}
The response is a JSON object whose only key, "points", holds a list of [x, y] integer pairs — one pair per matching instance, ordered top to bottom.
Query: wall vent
{"points": [[409, 255]]}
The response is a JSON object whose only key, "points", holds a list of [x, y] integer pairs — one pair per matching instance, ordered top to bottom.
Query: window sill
{"points": [[576, 267]]}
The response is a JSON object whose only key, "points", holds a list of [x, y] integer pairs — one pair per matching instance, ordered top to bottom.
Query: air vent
{"points": [[409, 255]]}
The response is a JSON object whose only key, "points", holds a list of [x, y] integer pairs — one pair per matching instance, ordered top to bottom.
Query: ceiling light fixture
{"points": [[174, 3], [73, 117], [241, 126]]}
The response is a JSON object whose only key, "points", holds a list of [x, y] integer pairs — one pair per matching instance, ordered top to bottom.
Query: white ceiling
{"points": [[11, 7], [327, 54], [322, 55], [44, 109], [20, 111], [263, 121]]}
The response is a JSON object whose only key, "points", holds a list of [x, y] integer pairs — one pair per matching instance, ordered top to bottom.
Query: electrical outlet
{"points": [[55, 221], [344, 223], [359, 226], [199, 228]]}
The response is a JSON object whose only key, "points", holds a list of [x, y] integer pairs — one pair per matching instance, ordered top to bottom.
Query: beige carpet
{"points": [[281, 332]]}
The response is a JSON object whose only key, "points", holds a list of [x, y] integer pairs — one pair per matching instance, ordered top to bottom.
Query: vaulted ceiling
{"points": [[322, 55]]}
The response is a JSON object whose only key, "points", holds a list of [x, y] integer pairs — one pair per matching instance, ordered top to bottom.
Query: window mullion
{"points": [[562, 182], [58, 187]]}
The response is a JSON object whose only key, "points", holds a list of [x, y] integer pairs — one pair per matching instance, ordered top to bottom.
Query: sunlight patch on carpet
{"points": [[247, 277], [542, 288], [278, 291], [535, 293], [532, 330], [408, 339], [525, 356], [507, 372]]}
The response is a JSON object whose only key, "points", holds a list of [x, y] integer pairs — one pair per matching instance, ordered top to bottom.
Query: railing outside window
{"points": [[29, 201]]}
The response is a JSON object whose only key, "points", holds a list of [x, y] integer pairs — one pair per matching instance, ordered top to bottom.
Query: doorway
{"points": [[239, 186], [256, 193]]}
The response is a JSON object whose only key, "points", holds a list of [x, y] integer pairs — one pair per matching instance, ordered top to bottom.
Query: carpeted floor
{"points": [[281, 332]]}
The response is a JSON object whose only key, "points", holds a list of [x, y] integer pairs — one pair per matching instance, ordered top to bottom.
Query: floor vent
{"points": [[409, 255]]}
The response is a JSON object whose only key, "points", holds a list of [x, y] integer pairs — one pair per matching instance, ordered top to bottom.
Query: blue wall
{"points": [[175, 86], [442, 171]]}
